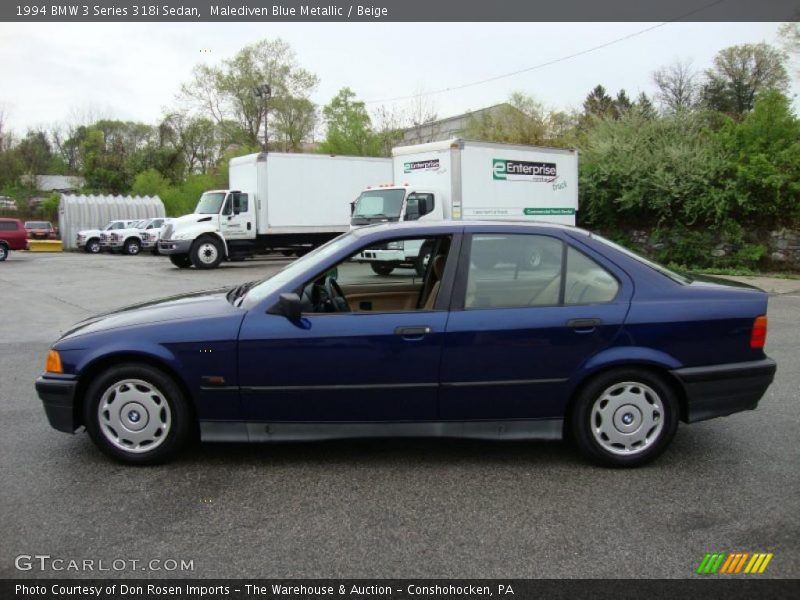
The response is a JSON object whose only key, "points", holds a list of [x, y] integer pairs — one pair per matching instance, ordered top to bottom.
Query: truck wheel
{"points": [[93, 247], [132, 247], [3, 252], [206, 253], [181, 261], [421, 264], [381, 269], [137, 414], [625, 417]]}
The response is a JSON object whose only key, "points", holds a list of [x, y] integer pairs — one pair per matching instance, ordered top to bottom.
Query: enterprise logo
{"points": [[518, 170]]}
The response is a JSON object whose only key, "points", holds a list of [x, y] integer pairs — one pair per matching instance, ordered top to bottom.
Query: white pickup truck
{"points": [[151, 233], [89, 239], [126, 239]]}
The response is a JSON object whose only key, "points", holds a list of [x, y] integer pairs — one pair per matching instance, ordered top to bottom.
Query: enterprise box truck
{"points": [[461, 179], [291, 202]]}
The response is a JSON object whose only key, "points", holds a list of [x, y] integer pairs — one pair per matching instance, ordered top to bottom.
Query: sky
{"points": [[51, 72]]}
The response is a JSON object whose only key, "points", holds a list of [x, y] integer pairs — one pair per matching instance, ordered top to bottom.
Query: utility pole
{"points": [[264, 92]]}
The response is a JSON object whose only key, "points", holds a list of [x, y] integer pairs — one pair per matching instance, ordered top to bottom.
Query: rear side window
{"points": [[8, 226], [514, 271], [587, 282]]}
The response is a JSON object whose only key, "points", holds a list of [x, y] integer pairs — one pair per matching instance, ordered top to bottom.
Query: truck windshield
{"points": [[210, 203], [379, 203]]}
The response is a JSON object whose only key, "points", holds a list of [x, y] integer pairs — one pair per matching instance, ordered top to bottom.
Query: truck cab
{"points": [[397, 203], [209, 235]]}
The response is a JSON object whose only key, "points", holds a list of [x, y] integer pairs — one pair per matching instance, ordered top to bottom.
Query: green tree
{"points": [[740, 74], [227, 92], [599, 104], [294, 122], [349, 127], [766, 150], [35, 153]]}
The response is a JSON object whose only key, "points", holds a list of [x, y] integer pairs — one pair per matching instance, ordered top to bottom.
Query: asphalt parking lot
{"points": [[377, 508]]}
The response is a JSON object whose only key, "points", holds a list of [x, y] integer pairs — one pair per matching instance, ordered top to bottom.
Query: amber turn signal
{"points": [[759, 336], [53, 364]]}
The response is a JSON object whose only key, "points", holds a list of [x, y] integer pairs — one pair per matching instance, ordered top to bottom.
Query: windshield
{"points": [[210, 203], [379, 203], [138, 224], [37, 225], [112, 225], [307, 263], [653, 265]]}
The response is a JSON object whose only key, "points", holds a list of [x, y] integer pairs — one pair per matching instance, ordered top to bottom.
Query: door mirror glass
{"points": [[239, 203], [226, 208], [412, 208], [289, 306]]}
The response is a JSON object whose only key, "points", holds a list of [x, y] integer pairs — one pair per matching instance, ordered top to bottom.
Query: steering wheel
{"points": [[335, 299]]}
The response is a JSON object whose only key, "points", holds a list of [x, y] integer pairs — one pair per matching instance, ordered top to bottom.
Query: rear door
{"points": [[528, 311]]}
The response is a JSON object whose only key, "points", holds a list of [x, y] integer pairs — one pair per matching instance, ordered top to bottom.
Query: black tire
{"points": [[93, 246], [132, 247], [155, 251], [3, 252], [287, 252], [206, 253], [424, 257], [181, 261], [381, 269], [642, 386], [176, 413]]}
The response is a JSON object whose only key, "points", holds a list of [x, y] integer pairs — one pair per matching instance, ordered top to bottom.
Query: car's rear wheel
{"points": [[93, 246], [132, 247], [3, 252], [206, 253], [381, 269], [137, 414], [625, 417]]}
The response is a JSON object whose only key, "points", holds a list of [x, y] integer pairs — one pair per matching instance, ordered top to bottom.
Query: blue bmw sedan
{"points": [[511, 331]]}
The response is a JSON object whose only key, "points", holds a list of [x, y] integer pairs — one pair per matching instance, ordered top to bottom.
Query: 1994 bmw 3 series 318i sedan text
{"points": [[514, 331]]}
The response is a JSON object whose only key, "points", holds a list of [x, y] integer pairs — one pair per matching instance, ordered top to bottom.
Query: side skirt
{"points": [[237, 431]]}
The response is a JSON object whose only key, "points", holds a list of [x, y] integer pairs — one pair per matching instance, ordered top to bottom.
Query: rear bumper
{"points": [[722, 390], [58, 398]]}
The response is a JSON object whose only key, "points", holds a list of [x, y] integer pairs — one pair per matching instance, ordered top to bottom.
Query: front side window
{"points": [[418, 205], [8, 226], [395, 276]]}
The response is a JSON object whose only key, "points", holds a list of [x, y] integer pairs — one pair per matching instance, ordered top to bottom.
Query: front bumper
{"points": [[174, 246], [722, 390], [58, 398]]}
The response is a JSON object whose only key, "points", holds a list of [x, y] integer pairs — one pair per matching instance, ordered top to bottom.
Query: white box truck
{"points": [[461, 179], [275, 201]]}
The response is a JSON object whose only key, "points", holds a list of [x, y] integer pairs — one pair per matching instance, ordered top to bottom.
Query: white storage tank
{"points": [[78, 212]]}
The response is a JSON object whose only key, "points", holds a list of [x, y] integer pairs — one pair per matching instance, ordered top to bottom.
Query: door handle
{"points": [[583, 325], [413, 332]]}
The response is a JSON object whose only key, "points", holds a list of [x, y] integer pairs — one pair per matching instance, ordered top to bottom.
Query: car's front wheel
{"points": [[93, 247], [132, 247], [3, 252], [207, 253], [182, 261], [381, 269], [137, 414], [625, 417]]}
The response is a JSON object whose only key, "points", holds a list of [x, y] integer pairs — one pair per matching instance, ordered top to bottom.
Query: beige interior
{"points": [[382, 297]]}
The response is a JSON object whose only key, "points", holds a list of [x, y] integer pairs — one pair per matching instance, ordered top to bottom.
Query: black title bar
{"points": [[35, 11]]}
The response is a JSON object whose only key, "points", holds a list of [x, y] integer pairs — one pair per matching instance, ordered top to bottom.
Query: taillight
{"points": [[759, 336]]}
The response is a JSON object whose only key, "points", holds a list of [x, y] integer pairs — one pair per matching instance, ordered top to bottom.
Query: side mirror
{"points": [[289, 306]]}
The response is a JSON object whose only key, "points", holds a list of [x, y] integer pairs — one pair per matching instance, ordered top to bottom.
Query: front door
{"points": [[236, 219], [374, 360]]}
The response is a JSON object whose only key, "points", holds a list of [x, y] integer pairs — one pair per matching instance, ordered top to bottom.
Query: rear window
{"points": [[37, 225], [8, 226]]}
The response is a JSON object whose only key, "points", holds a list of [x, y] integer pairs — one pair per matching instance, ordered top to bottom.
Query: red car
{"points": [[40, 230], [12, 236]]}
